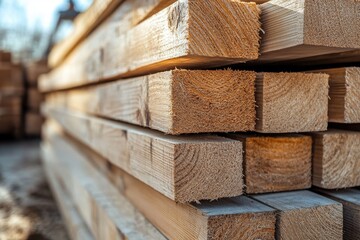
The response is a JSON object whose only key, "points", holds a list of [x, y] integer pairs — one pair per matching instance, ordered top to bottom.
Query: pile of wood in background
{"points": [[11, 96]]}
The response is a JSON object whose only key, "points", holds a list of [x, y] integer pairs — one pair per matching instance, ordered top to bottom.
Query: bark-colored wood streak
{"points": [[298, 29], [188, 33], [174, 102], [291, 102], [336, 159], [276, 163], [183, 168], [350, 199], [305, 215], [233, 218]]}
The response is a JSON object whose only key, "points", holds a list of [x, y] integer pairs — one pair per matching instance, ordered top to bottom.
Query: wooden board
{"points": [[84, 24], [295, 29], [180, 37], [5, 57], [10, 75], [34, 99], [174, 102], [291, 102], [344, 104], [33, 123], [336, 159], [275, 163], [183, 168], [350, 199], [106, 212], [305, 215], [234, 218], [75, 225]]}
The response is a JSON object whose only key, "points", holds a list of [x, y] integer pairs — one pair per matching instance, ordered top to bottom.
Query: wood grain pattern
{"points": [[84, 24], [298, 29], [188, 33], [174, 102], [291, 102], [344, 104], [336, 159], [276, 163], [183, 168], [350, 199], [106, 211], [305, 215], [234, 218], [75, 225]]}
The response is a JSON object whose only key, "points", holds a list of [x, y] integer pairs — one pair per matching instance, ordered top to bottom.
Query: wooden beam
{"points": [[84, 24], [295, 29], [189, 33], [33, 70], [174, 102], [291, 102], [344, 104], [336, 159], [275, 163], [183, 168], [350, 199], [107, 213], [305, 215], [234, 218], [75, 225]]}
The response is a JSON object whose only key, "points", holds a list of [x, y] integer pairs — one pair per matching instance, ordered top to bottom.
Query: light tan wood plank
{"points": [[84, 24], [295, 29], [189, 33], [344, 93], [174, 102], [291, 102], [336, 159], [275, 163], [183, 168], [350, 199], [107, 213], [305, 215], [234, 218], [75, 225]]}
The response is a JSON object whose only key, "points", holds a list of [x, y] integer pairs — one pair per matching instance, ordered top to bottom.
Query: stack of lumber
{"points": [[11, 96], [33, 118], [148, 136]]}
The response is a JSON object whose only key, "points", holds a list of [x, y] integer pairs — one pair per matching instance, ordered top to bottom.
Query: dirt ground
{"points": [[27, 208]]}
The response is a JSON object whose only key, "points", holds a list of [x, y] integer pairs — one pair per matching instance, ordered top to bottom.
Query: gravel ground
{"points": [[27, 208]]}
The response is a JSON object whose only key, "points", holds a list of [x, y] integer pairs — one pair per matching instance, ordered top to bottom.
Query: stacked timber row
{"points": [[11, 96], [33, 118], [146, 128]]}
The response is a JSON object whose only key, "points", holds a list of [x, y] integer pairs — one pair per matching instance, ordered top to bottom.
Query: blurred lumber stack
{"points": [[11, 96], [33, 118], [145, 128]]}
